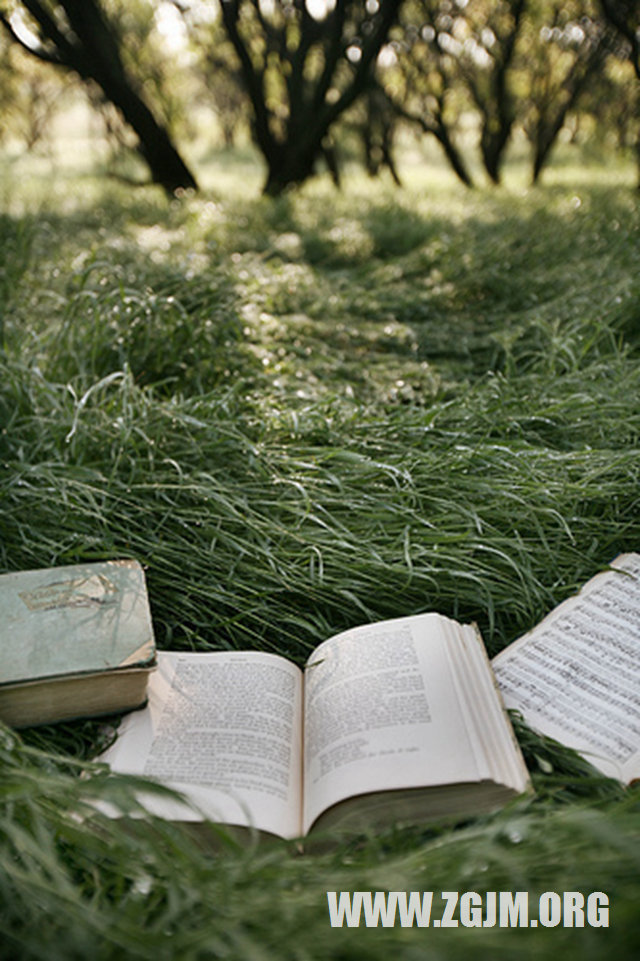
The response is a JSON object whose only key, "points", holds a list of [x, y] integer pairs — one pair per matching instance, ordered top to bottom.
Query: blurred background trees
{"points": [[85, 37], [472, 47], [564, 51], [303, 65], [499, 66], [314, 83], [30, 96]]}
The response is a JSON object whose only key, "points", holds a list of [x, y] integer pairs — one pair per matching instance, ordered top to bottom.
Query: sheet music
{"points": [[576, 677]]}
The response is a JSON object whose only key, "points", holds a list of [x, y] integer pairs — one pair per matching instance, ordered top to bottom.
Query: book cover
{"points": [[73, 620]]}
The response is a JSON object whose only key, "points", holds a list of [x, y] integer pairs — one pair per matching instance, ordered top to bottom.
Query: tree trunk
{"points": [[85, 41], [100, 61], [575, 82], [499, 111], [294, 138], [545, 140], [492, 147], [453, 155], [167, 167], [289, 168]]}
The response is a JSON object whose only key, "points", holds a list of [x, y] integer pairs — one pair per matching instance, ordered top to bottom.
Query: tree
{"points": [[624, 16], [78, 35], [566, 46], [452, 51], [485, 60], [507, 64], [302, 70], [217, 72], [421, 86], [30, 96], [608, 109], [376, 128]]}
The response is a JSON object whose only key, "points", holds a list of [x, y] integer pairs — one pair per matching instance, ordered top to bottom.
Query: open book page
{"points": [[576, 676], [383, 711], [225, 729]]}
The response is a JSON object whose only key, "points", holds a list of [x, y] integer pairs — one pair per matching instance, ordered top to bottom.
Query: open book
{"points": [[576, 676], [399, 720]]}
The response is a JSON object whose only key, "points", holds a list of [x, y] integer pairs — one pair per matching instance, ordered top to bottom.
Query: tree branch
{"points": [[617, 17], [66, 50], [370, 50], [332, 51], [38, 52], [254, 79]]}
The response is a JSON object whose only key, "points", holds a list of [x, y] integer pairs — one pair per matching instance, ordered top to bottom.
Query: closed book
{"points": [[75, 641]]}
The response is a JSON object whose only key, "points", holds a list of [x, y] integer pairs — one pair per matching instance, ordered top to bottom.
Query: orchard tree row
{"points": [[315, 80]]}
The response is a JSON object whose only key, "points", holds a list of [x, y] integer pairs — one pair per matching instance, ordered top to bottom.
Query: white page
{"points": [[576, 676], [382, 711], [224, 729]]}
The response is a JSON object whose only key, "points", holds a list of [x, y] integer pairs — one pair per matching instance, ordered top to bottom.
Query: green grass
{"points": [[302, 415]]}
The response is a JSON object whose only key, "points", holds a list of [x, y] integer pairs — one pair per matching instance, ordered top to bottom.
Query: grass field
{"points": [[302, 415]]}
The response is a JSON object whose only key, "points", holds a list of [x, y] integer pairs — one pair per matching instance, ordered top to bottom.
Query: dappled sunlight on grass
{"points": [[373, 292], [390, 331]]}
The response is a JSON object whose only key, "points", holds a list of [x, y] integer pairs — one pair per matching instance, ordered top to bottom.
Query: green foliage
{"points": [[541, 68], [219, 76], [31, 95], [300, 416]]}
